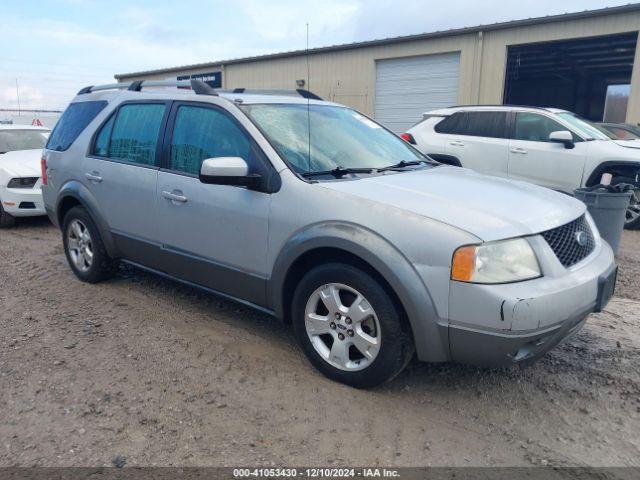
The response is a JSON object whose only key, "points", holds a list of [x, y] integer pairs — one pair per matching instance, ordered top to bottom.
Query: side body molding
{"points": [[79, 192], [430, 335]]}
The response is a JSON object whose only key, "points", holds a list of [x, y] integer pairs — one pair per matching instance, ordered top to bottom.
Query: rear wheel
{"points": [[6, 220], [83, 247], [349, 327]]}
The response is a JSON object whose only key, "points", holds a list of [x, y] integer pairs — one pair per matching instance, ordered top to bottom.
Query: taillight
{"points": [[407, 137], [43, 167]]}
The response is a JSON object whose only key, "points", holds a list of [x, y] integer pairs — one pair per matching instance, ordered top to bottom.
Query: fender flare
{"points": [[597, 172], [83, 196], [430, 334]]}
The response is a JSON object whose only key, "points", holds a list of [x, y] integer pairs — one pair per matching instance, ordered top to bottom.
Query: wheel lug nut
{"points": [[337, 316], [348, 321], [332, 326], [350, 332], [341, 336]]}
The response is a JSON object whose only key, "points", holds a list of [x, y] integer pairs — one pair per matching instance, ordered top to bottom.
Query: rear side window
{"points": [[72, 122], [452, 124], [475, 124], [487, 124], [201, 133], [132, 134], [102, 139]]}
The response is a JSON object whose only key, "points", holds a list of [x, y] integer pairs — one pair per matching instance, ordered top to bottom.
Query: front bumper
{"points": [[23, 202], [497, 325]]}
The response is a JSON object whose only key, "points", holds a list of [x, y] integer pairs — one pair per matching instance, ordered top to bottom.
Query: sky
{"points": [[51, 49]]}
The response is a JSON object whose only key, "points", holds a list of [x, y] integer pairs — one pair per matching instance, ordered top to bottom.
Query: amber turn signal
{"points": [[463, 264]]}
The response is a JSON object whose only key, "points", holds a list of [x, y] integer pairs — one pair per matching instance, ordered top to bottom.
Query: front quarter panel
{"points": [[607, 156], [411, 252]]}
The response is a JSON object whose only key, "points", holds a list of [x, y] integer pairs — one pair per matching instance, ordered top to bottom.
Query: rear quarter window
{"points": [[72, 122], [476, 124]]}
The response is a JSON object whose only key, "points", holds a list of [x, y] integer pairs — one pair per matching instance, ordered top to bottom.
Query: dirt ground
{"points": [[154, 373]]}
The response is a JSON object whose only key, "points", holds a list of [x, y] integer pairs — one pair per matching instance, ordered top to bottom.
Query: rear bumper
{"points": [[23, 202], [497, 325]]}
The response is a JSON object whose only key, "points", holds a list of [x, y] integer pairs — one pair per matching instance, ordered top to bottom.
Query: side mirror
{"points": [[562, 136], [228, 171]]}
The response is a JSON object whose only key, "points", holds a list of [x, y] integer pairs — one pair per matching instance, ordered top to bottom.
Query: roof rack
{"points": [[198, 86], [275, 91], [506, 105]]}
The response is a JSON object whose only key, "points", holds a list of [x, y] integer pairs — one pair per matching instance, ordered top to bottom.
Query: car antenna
{"points": [[308, 101]]}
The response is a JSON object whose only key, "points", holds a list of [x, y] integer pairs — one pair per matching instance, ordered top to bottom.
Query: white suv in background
{"points": [[547, 146]]}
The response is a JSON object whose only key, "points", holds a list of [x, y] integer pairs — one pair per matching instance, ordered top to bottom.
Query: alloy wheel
{"points": [[633, 210], [80, 245], [343, 327]]}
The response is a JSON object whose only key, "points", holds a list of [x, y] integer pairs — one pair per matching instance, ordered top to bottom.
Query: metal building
{"points": [[587, 62]]}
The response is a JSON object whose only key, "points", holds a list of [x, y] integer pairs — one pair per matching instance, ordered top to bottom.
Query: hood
{"points": [[628, 143], [22, 163], [490, 208]]}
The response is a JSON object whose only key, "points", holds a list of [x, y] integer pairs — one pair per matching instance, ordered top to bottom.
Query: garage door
{"points": [[408, 87]]}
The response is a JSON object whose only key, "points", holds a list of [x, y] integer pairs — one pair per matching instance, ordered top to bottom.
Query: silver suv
{"points": [[316, 214]]}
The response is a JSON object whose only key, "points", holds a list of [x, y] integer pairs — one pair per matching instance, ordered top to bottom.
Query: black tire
{"points": [[635, 202], [6, 220], [102, 266], [396, 346]]}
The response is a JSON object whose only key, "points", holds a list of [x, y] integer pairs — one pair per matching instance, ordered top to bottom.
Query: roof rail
{"points": [[198, 86], [275, 91], [506, 105]]}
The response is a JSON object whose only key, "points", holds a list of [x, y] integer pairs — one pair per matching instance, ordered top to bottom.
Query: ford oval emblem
{"points": [[582, 238]]}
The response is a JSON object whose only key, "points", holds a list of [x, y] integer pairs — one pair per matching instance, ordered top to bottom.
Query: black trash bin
{"points": [[607, 204]]}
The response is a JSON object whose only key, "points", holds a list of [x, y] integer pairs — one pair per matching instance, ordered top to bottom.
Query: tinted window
{"points": [[72, 122], [452, 124], [476, 124], [486, 124], [534, 127], [201, 133], [134, 135], [102, 139]]}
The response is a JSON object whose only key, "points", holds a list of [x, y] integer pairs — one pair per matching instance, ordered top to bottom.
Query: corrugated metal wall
{"points": [[349, 76]]}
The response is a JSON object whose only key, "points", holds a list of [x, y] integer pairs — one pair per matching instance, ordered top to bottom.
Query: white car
{"points": [[547, 146], [20, 172]]}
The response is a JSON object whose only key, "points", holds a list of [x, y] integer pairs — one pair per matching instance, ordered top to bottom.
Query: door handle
{"points": [[456, 143], [521, 151], [93, 177], [174, 197]]}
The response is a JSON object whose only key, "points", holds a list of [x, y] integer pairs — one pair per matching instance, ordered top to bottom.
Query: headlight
{"points": [[24, 182], [495, 262]]}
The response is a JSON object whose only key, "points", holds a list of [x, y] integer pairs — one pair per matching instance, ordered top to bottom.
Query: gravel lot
{"points": [[160, 374]]}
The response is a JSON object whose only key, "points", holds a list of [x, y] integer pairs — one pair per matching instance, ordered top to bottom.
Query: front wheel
{"points": [[632, 215], [632, 218], [6, 220], [349, 327]]}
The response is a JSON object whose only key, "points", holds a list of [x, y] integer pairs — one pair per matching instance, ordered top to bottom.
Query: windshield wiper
{"points": [[402, 164], [338, 172]]}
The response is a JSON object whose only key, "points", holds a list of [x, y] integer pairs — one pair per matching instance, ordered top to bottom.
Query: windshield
{"points": [[585, 127], [340, 137], [12, 140]]}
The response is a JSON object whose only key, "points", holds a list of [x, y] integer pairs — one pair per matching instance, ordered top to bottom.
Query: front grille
{"points": [[569, 245]]}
